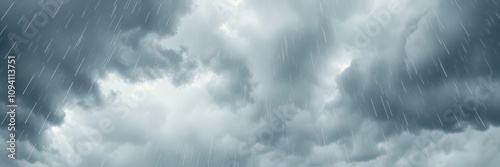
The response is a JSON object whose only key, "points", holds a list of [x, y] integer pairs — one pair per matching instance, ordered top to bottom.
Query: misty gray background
{"points": [[255, 83]]}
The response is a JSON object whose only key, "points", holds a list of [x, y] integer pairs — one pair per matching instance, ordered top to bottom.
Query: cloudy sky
{"points": [[247, 83]]}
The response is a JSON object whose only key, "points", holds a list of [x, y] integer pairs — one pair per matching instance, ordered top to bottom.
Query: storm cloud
{"points": [[255, 83]]}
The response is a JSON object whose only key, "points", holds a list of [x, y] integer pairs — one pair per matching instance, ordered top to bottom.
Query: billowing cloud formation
{"points": [[60, 58], [441, 75], [259, 83]]}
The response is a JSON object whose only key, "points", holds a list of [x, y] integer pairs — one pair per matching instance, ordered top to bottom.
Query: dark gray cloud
{"points": [[86, 40], [436, 67], [262, 85]]}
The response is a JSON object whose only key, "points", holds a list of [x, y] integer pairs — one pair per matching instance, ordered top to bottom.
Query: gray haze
{"points": [[256, 83]]}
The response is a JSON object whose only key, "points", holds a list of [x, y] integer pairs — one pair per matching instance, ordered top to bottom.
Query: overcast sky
{"points": [[237, 83]]}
